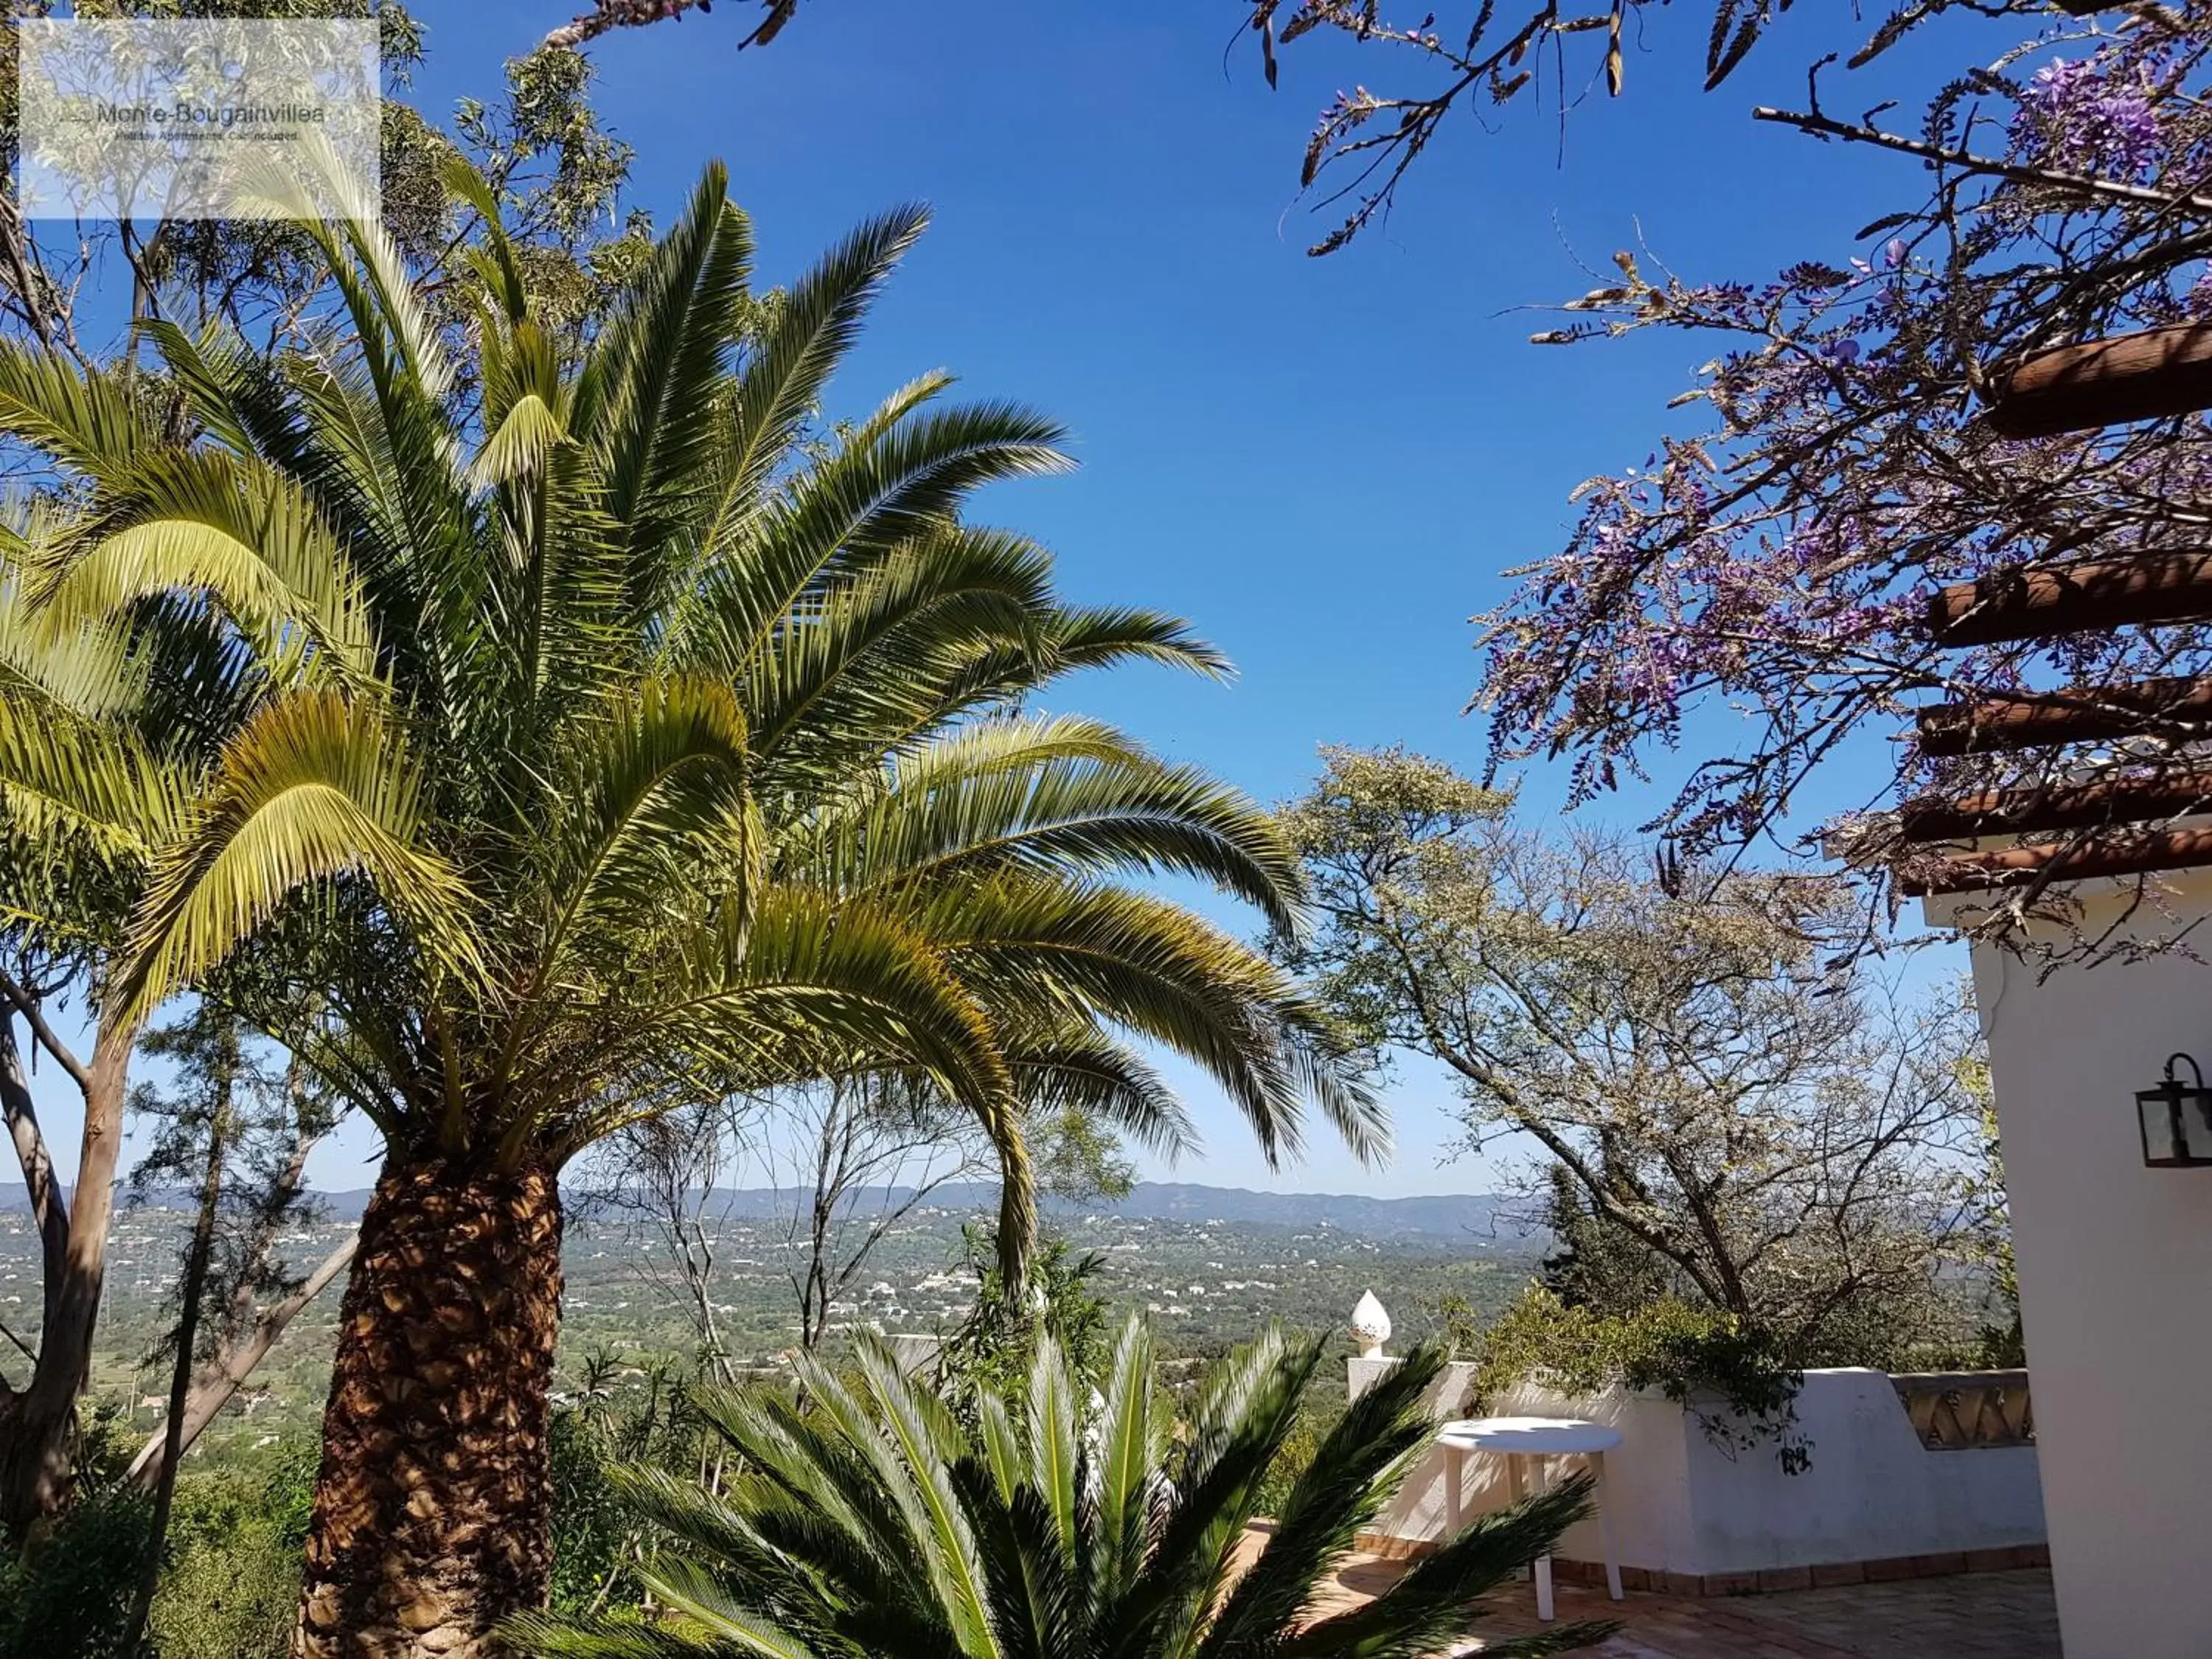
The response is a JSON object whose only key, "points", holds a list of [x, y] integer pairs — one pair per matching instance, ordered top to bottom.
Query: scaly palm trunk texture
{"points": [[433, 1519]]}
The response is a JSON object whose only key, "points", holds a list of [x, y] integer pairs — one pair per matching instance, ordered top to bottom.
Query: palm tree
{"points": [[591, 736], [869, 1525]]}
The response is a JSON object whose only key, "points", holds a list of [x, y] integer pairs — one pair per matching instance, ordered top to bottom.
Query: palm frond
{"points": [[782, 384], [92, 420], [237, 530], [316, 786], [1337, 1493], [1435, 1602]]}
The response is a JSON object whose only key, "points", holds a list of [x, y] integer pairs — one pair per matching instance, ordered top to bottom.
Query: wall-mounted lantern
{"points": [[2176, 1120]]}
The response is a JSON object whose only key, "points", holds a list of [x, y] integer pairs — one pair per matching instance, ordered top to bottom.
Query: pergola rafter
{"points": [[2151, 375]]}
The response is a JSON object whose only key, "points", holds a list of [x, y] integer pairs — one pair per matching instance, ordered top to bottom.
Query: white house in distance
{"points": [[2115, 1260]]}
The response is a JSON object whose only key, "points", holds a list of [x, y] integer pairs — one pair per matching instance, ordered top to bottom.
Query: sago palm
{"points": [[592, 735], [869, 1524]]}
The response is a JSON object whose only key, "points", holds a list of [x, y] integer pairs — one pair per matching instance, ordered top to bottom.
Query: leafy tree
{"points": [[1774, 559], [588, 747], [79, 818], [238, 1123], [1777, 1128], [239, 1131], [1595, 1263], [993, 1351], [1729, 1372], [620, 1411], [875, 1527], [230, 1587]]}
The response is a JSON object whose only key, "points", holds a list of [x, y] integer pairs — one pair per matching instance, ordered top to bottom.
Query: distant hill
{"points": [[1478, 1217]]}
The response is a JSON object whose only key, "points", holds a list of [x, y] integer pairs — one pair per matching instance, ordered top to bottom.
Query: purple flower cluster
{"points": [[2089, 115], [1776, 562]]}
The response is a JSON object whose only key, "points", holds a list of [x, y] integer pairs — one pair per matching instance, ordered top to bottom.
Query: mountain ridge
{"points": [[1473, 1215]]}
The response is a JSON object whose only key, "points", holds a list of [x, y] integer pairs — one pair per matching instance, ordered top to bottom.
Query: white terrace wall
{"points": [[2115, 1277], [1680, 1504], [1417, 1513]]}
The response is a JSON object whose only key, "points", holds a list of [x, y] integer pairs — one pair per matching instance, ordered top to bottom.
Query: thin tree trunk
{"points": [[48, 1213], [181, 1375], [222, 1381], [38, 1426], [432, 1513]]}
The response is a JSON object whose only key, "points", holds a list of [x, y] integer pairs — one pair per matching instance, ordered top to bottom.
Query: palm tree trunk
{"points": [[433, 1514]]}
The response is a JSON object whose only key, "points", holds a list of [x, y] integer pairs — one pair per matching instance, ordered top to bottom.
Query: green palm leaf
{"points": [[313, 788], [871, 1527]]}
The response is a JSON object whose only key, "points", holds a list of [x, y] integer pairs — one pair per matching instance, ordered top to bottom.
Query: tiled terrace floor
{"points": [[1993, 1615]]}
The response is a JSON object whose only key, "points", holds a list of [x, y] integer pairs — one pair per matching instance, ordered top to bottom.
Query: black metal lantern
{"points": [[2176, 1120]]}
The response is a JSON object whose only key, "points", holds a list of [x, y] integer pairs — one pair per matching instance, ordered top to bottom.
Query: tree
{"points": [[1776, 559], [591, 746], [89, 793], [80, 835], [1722, 1084], [202, 1126], [238, 1126], [863, 1155], [661, 1177], [1596, 1263], [993, 1350], [876, 1527]]}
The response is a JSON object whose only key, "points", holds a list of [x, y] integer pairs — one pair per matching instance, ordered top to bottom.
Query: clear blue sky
{"points": [[1325, 464]]}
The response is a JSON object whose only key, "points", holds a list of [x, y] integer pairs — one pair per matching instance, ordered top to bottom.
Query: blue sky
{"points": [[1325, 464]]}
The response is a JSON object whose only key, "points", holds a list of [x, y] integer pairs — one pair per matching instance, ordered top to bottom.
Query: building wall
{"points": [[2116, 1277], [1872, 1492], [1679, 1503]]}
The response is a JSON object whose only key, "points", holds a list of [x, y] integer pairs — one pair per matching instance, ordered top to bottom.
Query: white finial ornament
{"points": [[1370, 1327]]}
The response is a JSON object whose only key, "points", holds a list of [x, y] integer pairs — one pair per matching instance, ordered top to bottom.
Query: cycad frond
{"points": [[870, 1526]]}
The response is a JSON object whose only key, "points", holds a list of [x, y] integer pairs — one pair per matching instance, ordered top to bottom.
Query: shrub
{"points": [[1732, 1375], [231, 1580], [69, 1592]]}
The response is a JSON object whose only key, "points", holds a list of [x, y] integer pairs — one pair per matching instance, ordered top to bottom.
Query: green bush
{"points": [[1732, 1375], [1319, 1411], [231, 1579], [68, 1595]]}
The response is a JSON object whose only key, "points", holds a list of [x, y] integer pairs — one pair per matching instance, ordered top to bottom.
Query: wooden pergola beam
{"points": [[2130, 377], [2034, 602], [2086, 714], [2116, 800], [2016, 866]]}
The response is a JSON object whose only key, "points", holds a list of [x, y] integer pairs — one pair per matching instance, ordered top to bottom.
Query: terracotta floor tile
{"points": [[1983, 1615]]}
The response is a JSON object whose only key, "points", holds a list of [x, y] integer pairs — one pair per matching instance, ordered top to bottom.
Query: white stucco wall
{"points": [[2116, 1275], [1680, 1504], [1417, 1512]]}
